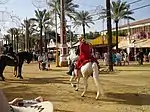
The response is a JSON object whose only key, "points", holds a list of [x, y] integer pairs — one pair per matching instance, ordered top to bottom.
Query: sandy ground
{"points": [[127, 89]]}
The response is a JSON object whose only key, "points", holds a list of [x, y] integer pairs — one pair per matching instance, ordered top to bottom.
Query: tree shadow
{"points": [[57, 70], [134, 70], [59, 80], [26, 92], [128, 98], [58, 110]]}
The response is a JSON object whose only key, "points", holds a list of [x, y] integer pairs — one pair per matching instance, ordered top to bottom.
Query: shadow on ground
{"points": [[58, 80], [128, 98]]}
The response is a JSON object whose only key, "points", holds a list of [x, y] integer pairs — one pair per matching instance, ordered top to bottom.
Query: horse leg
{"points": [[15, 71], [1, 72], [19, 72], [77, 75], [78, 80], [71, 81], [97, 81], [85, 86]]}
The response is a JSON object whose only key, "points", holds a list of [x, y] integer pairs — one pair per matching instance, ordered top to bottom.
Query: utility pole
{"points": [[109, 32], [63, 46]]}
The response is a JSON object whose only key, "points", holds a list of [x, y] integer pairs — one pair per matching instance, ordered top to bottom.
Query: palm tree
{"points": [[69, 7], [120, 10], [42, 18], [83, 19], [46, 25], [30, 28], [11, 32], [7, 38]]}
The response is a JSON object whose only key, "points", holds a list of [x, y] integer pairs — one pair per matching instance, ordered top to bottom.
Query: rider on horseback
{"points": [[5, 49], [8, 50], [85, 54]]}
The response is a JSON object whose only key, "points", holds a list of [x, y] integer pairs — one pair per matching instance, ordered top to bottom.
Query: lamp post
{"points": [[63, 45]]}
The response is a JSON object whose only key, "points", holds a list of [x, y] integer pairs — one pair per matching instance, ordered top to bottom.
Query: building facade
{"points": [[135, 27]]}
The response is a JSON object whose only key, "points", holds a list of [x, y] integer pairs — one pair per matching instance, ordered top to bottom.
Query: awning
{"points": [[101, 40], [140, 43], [144, 43], [123, 44]]}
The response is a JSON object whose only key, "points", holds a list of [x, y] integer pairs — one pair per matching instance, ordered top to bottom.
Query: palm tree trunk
{"points": [[83, 25], [12, 35], [27, 35], [109, 35], [116, 35], [6, 41], [17, 41], [45, 41], [24, 42], [14, 44], [29, 44], [41, 45]]}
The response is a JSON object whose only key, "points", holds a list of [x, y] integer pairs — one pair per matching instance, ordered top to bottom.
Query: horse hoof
{"points": [[20, 77], [3, 79], [74, 85], [76, 89], [82, 95], [96, 98]]}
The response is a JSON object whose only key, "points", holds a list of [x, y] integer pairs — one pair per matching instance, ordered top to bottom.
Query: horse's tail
{"points": [[96, 79]]}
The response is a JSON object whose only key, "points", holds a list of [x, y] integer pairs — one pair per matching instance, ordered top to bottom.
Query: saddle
{"points": [[13, 56]]}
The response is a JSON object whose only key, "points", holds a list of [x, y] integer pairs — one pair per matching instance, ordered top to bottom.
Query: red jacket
{"points": [[85, 51], [84, 56]]}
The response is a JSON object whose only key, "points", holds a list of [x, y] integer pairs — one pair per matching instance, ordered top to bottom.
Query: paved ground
{"points": [[127, 89]]}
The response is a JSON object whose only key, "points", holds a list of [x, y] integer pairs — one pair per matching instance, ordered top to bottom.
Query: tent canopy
{"points": [[102, 40]]}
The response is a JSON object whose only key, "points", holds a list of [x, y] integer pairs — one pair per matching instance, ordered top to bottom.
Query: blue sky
{"points": [[25, 8]]}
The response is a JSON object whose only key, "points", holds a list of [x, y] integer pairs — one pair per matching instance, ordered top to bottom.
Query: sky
{"points": [[25, 8]]}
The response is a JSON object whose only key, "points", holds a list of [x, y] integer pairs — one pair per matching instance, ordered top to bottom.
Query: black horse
{"points": [[8, 61]]}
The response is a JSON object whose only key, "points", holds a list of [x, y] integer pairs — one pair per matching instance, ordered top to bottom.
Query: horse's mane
{"points": [[25, 53]]}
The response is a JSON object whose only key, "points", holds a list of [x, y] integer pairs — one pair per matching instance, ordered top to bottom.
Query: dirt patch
{"points": [[127, 89]]}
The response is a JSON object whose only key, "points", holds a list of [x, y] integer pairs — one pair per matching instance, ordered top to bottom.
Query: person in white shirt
{"points": [[119, 58], [125, 58], [106, 59]]}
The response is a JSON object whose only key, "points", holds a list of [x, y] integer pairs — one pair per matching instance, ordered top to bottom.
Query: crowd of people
{"points": [[118, 58], [44, 59]]}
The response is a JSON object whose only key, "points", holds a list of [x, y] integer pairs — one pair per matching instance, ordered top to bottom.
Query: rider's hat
{"points": [[79, 37]]}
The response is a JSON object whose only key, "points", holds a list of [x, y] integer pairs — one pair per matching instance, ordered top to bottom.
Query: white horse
{"points": [[85, 72]]}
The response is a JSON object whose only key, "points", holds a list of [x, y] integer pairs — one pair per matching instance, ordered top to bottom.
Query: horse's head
{"points": [[26, 56], [29, 57]]}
